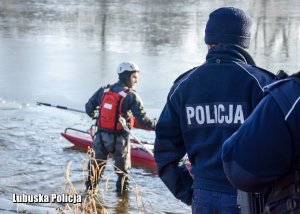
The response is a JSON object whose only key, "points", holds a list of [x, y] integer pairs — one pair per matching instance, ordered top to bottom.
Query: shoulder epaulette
{"points": [[184, 74]]}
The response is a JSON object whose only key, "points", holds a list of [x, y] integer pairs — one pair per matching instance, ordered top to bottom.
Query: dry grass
{"points": [[92, 202]]}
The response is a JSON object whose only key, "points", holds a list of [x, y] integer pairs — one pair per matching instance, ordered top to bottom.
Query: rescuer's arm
{"points": [[94, 102], [143, 121]]}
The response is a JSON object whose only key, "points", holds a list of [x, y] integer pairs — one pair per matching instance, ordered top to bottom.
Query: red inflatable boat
{"points": [[140, 154]]}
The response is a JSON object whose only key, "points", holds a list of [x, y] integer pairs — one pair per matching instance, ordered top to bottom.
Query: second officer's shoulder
{"points": [[281, 77]]}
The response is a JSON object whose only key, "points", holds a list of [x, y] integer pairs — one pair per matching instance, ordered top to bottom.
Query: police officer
{"points": [[119, 99], [204, 107], [263, 155]]}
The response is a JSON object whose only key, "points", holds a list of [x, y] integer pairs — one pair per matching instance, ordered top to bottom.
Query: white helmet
{"points": [[127, 66]]}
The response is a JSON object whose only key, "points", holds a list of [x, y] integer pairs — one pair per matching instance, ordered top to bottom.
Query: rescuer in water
{"points": [[113, 101]]}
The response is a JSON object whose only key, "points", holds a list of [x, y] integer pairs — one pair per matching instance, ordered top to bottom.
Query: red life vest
{"points": [[110, 110]]}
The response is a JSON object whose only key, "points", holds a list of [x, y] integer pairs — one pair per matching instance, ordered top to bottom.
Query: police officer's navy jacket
{"points": [[132, 104], [204, 107], [267, 144]]}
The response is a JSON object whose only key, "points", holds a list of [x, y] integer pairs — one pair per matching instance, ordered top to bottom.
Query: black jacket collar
{"points": [[229, 52]]}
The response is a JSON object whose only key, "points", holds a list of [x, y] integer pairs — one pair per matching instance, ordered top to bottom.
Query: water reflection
{"points": [[149, 25], [150, 28], [276, 34], [122, 204]]}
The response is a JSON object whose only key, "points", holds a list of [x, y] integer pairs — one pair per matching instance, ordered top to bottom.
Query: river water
{"points": [[60, 52]]}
